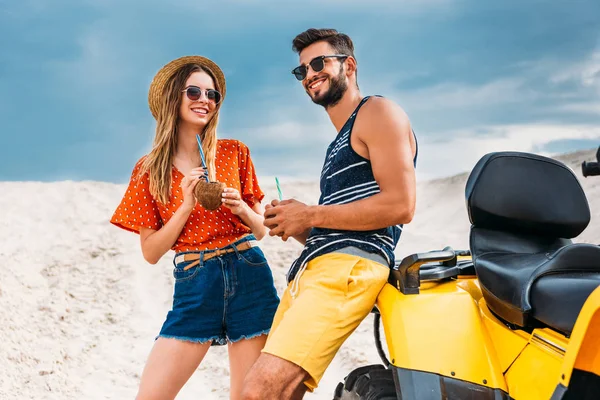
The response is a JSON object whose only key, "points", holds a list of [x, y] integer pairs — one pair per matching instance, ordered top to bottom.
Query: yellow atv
{"points": [[515, 317]]}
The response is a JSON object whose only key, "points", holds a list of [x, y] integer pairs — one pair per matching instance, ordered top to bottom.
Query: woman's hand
{"points": [[198, 173], [188, 184], [233, 200]]}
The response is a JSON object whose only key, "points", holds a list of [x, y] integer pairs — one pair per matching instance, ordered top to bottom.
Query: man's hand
{"points": [[288, 218]]}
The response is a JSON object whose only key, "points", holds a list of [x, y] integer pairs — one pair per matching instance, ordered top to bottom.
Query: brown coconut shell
{"points": [[209, 194]]}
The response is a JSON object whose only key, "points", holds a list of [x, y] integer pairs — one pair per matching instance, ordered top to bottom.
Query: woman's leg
{"points": [[242, 355], [169, 366]]}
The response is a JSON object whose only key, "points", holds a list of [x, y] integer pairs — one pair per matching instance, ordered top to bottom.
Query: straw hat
{"points": [[165, 73]]}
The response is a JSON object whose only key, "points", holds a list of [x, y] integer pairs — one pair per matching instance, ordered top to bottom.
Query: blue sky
{"points": [[473, 76]]}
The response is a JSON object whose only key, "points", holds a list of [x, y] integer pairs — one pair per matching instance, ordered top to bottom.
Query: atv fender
{"points": [[441, 331]]}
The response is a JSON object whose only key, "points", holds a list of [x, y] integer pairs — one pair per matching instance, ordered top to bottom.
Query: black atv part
{"points": [[591, 168], [528, 194], [432, 266], [466, 268], [529, 270], [405, 276], [377, 334], [372, 382], [419, 385], [583, 386]]}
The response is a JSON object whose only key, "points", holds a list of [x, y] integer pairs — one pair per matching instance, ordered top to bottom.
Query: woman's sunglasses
{"points": [[317, 64], [194, 93]]}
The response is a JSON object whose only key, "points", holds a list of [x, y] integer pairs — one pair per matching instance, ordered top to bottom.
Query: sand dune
{"points": [[79, 307]]}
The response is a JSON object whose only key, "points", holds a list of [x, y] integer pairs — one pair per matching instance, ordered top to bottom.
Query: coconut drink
{"points": [[208, 193]]}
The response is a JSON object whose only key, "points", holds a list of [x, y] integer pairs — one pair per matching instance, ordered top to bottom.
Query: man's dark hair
{"points": [[340, 42]]}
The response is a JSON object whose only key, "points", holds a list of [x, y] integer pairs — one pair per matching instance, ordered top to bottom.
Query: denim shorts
{"points": [[225, 299]]}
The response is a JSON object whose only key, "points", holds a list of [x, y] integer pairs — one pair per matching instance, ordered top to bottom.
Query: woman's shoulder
{"points": [[233, 145], [141, 160], [138, 167]]}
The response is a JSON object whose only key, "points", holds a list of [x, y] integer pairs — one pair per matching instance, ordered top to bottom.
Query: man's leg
{"points": [[336, 292], [272, 372], [273, 378]]}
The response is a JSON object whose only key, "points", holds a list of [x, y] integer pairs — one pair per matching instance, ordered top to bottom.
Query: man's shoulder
{"points": [[378, 106], [380, 113]]}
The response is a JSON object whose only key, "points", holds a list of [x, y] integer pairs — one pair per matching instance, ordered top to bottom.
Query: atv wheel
{"points": [[372, 382]]}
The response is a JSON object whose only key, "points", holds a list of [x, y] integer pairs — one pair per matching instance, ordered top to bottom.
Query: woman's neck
{"points": [[187, 144]]}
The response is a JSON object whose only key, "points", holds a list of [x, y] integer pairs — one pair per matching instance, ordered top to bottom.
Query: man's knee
{"points": [[272, 378], [254, 382], [261, 389], [251, 391]]}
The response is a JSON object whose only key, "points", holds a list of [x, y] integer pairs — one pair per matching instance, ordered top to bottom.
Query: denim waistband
{"points": [[247, 238]]}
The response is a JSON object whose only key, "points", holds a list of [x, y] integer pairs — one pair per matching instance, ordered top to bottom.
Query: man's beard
{"points": [[337, 88]]}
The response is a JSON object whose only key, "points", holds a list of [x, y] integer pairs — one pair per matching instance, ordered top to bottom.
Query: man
{"points": [[367, 194]]}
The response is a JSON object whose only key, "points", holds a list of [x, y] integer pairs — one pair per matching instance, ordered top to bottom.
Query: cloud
{"points": [[308, 7], [99, 65], [455, 69], [586, 73], [547, 90], [451, 96], [529, 109], [290, 148], [298, 149], [460, 150]]}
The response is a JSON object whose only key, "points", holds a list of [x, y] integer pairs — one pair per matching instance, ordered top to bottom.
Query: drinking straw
{"points": [[202, 156], [278, 189]]}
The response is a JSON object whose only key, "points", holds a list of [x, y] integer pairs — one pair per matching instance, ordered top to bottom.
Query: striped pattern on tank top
{"points": [[347, 177]]}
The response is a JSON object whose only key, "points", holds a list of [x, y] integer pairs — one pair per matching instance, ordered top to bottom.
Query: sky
{"points": [[473, 77]]}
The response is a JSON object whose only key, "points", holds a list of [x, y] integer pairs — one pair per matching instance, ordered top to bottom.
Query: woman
{"points": [[224, 290]]}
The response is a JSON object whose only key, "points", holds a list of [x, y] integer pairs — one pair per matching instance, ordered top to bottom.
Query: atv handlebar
{"points": [[591, 168]]}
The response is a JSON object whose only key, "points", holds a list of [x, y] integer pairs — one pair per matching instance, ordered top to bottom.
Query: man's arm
{"points": [[387, 136], [300, 236]]}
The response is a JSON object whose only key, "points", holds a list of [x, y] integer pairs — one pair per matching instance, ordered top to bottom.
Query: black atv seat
{"points": [[524, 209], [557, 300]]}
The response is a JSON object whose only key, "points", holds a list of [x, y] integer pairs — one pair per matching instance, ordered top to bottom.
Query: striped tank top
{"points": [[347, 177]]}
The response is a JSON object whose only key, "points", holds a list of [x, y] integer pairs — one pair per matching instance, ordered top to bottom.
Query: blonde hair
{"points": [[159, 162]]}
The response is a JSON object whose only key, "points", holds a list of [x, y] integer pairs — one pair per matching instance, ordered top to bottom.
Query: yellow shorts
{"points": [[336, 292]]}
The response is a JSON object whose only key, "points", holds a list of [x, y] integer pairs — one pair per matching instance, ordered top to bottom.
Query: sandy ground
{"points": [[79, 307]]}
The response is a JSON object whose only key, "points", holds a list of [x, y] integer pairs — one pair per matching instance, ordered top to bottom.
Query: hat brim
{"points": [[165, 73]]}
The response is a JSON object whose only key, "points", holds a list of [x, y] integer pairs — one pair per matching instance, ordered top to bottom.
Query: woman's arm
{"points": [[251, 216], [255, 219], [155, 243]]}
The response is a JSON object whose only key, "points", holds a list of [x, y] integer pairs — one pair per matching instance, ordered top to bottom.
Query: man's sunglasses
{"points": [[317, 64], [194, 93]]}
